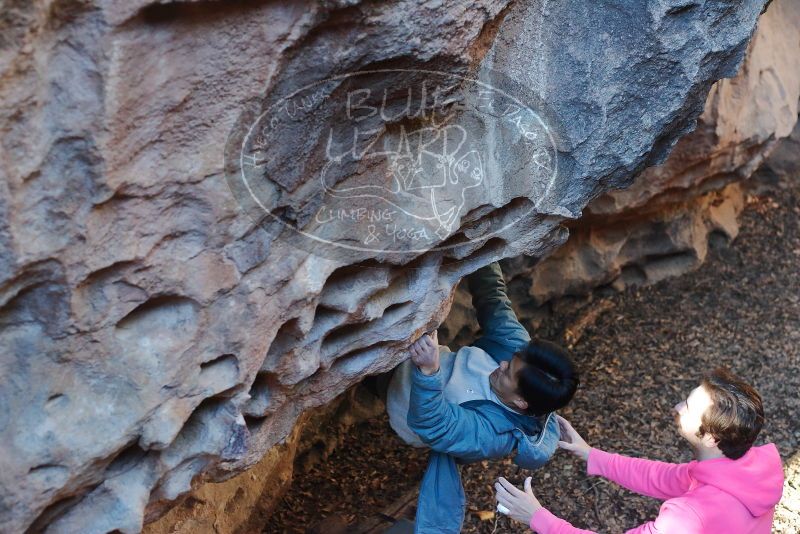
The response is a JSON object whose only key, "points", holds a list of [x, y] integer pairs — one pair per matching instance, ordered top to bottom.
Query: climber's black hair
{"points": [[549, 379]]}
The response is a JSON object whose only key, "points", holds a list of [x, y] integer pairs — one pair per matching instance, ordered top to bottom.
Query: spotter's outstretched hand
{"points": [[571, 440], [521, 505]]}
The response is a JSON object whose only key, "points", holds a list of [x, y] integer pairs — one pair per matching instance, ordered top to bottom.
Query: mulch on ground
{"points": [[642, 354]]}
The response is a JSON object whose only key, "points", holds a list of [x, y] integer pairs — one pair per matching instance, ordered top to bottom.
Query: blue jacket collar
{"points": [[537, 437]]}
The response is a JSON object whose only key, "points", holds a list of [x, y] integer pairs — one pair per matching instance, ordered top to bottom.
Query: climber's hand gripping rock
{"points": [[425, 353]]}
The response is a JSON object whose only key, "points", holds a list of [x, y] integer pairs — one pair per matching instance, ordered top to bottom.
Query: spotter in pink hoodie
{"points": [[712, 496]]}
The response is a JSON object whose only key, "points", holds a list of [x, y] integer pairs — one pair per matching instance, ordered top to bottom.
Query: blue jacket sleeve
{"points": [[503, 334], [449, 428]]}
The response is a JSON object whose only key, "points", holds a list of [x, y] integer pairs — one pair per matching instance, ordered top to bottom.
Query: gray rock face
{"points": [[660, 226], [158, 326]]}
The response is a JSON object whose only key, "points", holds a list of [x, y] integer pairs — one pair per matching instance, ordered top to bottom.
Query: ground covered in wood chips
{"points": [[642, 354]]}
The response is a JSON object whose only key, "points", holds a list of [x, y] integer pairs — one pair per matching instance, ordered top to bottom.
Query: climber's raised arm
{"points": [[502, 334], [446, 427]]}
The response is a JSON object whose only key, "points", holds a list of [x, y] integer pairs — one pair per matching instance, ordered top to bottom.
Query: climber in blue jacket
{"points": [[484, 401]]}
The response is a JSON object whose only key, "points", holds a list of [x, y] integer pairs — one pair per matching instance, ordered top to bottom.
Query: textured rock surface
{"points": [[783, 161], [661, 225], [635, 251], [151, 331], [243, 503]]}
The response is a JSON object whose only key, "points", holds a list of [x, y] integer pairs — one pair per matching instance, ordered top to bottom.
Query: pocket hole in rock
{"points": [[288, 335], [220, 374], [262, 394], [254, 423], [126, 459]]}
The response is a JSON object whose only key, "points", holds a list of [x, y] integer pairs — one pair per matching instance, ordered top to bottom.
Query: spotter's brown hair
{"points": [[736, 416]]}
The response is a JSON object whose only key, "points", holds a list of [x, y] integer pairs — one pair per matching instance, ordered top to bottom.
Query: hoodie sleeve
{"points": [[448, 428], [661, 480], [675, 516], [545, 522]]}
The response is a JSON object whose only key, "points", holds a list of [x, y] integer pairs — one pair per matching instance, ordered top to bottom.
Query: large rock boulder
{"points": [[662, 224], [171, 300]]}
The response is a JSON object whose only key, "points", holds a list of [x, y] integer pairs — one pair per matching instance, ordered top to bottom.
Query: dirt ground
{"points": [[644, 352]]}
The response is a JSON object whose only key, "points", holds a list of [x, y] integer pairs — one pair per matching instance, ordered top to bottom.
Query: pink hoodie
{"points": [[713, 496]]}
